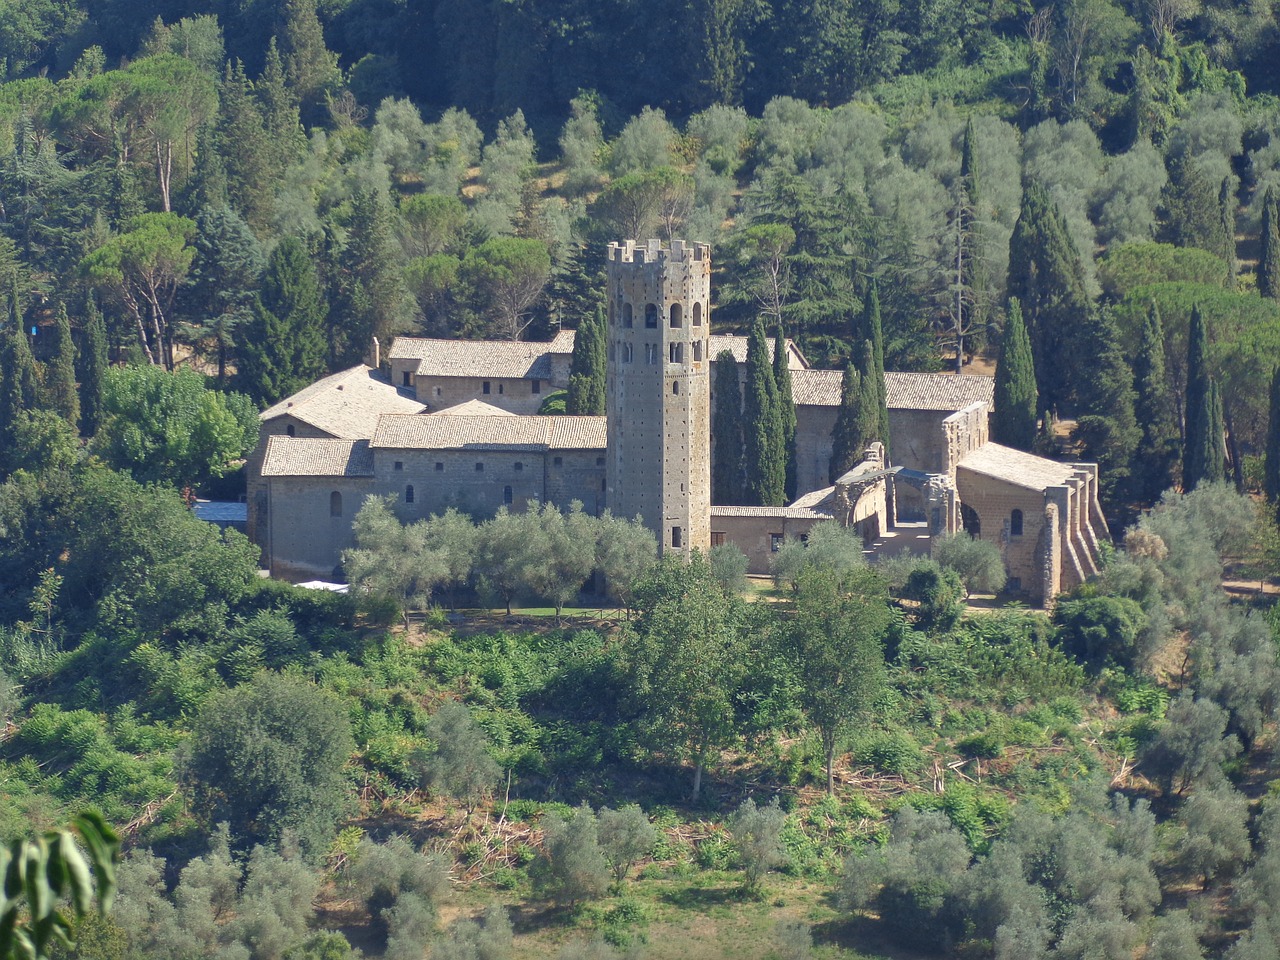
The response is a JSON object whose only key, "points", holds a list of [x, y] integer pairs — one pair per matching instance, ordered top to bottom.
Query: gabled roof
{"points": [[738, 347], [500, 359], [906, 391], [345, 405], [473, 408], [490, 433], [313, 457], [1016, 467], [816, 499]]}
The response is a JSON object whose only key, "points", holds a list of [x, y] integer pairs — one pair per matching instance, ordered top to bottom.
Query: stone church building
{"points": [[456, 423]]}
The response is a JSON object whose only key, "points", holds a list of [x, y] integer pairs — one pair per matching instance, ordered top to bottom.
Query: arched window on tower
{"points": [[626, 314], [697, 314], [651, 316], [677, 316], [507, 495], [335, 504], [1015, 523]]}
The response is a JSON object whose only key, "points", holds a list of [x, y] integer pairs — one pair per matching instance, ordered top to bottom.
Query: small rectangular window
{"points": [[406, 378], [500, 386], [537, 386], [485, 388], [558, 461], [399, 465], [519, 466], [439, 467], [479, 468], [677, 538], [717, 538], [775, 542]]}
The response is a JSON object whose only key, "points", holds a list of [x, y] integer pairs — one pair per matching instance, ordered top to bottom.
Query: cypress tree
{"points": [[245, 148], [1227, 230], [1269, 248], [976, 275], [1046, 276], [870, 328], [284, 346], [587, 367], [93, 368], [60, 373], [19, 383], [1016, 397], [786, 409], [1198, 409], [857, 420], [1107, 427], [726, 436], [762, 450], [1214, 457], [1155, 464], [1271, 480]]}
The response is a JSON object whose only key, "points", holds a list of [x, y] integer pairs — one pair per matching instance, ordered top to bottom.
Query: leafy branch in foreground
{"points": [[38, 875]]}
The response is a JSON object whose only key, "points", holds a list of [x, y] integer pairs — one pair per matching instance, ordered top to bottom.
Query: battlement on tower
{"points": [[652, 251]]}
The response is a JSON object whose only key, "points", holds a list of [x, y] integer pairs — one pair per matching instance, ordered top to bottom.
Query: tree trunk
{"points": [[697, 779], [831, 779]]}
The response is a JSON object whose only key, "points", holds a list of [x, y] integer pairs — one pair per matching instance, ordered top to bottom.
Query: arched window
{"points": [[626, 314], [697, 314], [677, 315], [651, 316], [675, 387], [289, 430], [408, 494], [507, 496], [335, 504], [970, 521], [1015, 523]]}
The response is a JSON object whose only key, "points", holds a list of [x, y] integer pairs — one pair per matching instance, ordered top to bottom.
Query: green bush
{"points": [[893, 752]]}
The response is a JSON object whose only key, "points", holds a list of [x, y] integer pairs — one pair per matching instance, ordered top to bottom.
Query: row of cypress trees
{"points": [[863, 416]]}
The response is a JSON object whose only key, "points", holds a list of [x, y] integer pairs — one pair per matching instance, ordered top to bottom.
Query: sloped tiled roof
{"points": [[500, 359], [906, 391], [345, 405], [473, 408], [490, 432], [313, 457], [1016, 467], [816, 498], [780, 513]]}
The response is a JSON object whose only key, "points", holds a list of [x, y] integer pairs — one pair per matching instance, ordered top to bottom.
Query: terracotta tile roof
{"points": [[504, 359], [906, 391], [346, 405], [473, 408], [490, 432], [312, 457], [1016, 467], [816, 498], [779, 513]]}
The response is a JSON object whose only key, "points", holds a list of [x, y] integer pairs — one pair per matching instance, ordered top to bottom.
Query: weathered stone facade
{"points": [[658, 395]]}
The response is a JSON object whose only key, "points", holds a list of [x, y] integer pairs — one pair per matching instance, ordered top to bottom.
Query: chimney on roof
{"points": [[375, 353]]}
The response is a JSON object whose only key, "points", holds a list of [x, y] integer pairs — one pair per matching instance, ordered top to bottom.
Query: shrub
{"points": [[976, 562], [757, 839]]}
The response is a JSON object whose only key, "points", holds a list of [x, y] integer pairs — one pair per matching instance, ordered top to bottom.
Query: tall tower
{"points": [[659, 390]]}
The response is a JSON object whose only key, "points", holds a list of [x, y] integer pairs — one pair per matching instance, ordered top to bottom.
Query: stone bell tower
{"points": [[659, 390]]}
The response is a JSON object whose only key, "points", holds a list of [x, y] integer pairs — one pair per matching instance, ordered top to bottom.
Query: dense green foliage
{"points": [[1016, 399]]}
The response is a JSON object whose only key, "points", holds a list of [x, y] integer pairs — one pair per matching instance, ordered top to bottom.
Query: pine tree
{"points": [[311, 69], [280, 115], [245, 148], [1269, 248], [224, 275], [1046, 275], [371, 299], [284, 347], [93, 367], [587, 367], [60, 372], [1016, 397], [786, 409], [726, 427], [1107, 427], [762, 450], [1155, 464], [1271, 482]]}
